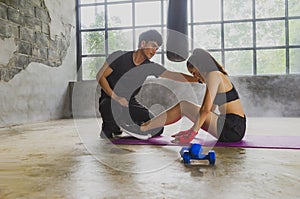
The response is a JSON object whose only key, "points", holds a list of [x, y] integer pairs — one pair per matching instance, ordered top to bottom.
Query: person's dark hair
{"points": [[150, 35], [204, 61]]}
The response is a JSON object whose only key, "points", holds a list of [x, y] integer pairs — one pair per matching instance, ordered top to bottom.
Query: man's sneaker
{"points": [[134, 130], [118, 133], [104, 134]]}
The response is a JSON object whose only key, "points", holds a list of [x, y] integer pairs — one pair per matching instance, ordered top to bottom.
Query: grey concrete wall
{"points": [[38, 62], [276, 95], [262, 96], [84, 97]]}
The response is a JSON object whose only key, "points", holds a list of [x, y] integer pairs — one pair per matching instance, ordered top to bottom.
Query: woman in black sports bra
{"points": [[228, 126]]}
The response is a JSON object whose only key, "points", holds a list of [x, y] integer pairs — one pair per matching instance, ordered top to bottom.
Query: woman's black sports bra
{"points": [[222, 98]]}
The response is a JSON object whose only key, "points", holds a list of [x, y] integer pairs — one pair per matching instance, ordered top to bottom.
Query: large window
{"points": [[249, 37]]}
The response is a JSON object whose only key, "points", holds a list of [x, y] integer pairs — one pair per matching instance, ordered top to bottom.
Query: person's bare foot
{"points": [[143, 128]]}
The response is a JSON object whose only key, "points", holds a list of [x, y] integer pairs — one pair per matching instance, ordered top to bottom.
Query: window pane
{"points": [[90, 1], [109, 1], [270, 8], [294, 8], [237, 9], [206, 10], [148, 13], [119, 15], [92, 17], [294, 26], [270, 33], [238, 35], [207, 36], [119, 40], [93, 42], [217, 56], [295, 60], [271, 61], [239, 62], [176, 66], [90, 67]]}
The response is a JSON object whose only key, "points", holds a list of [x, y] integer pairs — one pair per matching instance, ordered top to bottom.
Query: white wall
{"points": [[40, 92]]}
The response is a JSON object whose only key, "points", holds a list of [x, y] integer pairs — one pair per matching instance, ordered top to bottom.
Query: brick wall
{"points": [[27, 22]]}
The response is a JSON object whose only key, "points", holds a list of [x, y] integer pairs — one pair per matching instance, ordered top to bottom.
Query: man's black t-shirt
{"points": [[127, 78]]}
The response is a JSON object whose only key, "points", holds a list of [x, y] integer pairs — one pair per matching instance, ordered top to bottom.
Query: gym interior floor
{"points": [[51, 160]]}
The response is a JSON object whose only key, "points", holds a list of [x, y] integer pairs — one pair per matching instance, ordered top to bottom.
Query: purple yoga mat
{"points": [[249, 141]]}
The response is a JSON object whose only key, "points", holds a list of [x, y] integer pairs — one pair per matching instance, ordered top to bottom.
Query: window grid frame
{"points": [[192, 24]]}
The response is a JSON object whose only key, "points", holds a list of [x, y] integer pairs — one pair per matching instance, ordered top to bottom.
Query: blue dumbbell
{"points": [[194, 152]]}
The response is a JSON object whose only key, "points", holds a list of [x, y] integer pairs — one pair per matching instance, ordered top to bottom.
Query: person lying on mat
{"points": [[228, 126]]}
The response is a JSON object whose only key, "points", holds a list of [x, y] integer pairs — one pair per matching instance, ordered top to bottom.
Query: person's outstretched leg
{"points": [[184, 108], [139, 114], [172, 115]]}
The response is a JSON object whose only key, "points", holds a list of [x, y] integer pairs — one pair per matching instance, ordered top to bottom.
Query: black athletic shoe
{"points": [[134, 128], [118, 133], [104, 134]]}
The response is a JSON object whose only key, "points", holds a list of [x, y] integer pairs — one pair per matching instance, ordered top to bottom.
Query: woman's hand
{"points": [[180, 133], [184, 137]]}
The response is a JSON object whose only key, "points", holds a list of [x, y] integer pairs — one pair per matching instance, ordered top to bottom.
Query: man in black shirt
{"points": [[121, 78]]}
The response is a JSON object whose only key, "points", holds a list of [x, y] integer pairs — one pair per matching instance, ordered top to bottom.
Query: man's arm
{"points": [[101, 77], [180, 77]]}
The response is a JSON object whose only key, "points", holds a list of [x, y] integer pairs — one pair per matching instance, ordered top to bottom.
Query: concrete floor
{"points": [[66, 159]]}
